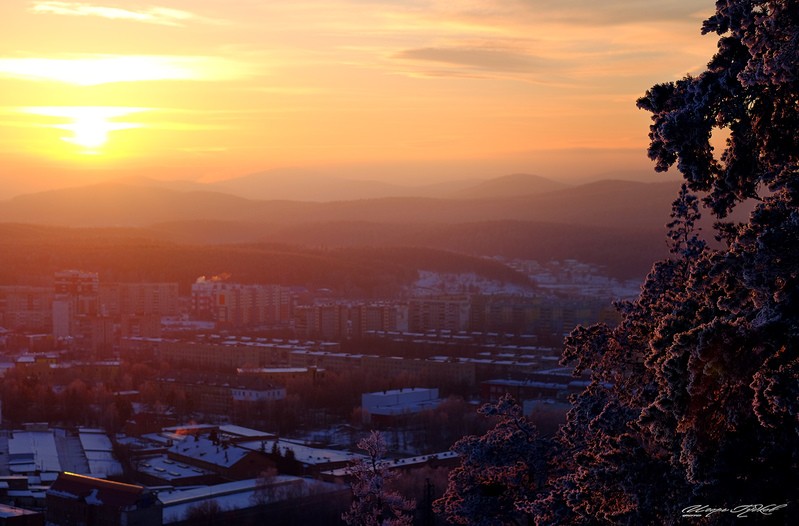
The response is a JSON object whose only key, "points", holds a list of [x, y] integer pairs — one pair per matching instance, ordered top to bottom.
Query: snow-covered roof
{"points": [[390, 393], [239, 431], [157, 438], [94, 440], [33, 448], [206, 451], [50, 452], [302, 453], [99, 455], [406, 462], [163, 467], [104, 468], [237, 495], [230, 496]]}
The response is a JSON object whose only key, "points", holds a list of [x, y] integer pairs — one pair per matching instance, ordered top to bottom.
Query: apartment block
{"points": [[241, 305], [26, 308], [439, 313]]}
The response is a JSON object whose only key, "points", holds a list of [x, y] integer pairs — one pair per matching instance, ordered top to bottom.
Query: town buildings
{"points": [[25, 307], [80, 308], [93, 314], [243, 354], [45, 452], [77, 500]]}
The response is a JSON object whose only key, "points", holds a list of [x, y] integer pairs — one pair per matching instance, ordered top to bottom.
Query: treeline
{"points": [[624, 252], [30, 254]]}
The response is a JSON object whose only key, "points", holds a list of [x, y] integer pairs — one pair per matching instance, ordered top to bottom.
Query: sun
{"points": [[89, 127], [89, 132]]}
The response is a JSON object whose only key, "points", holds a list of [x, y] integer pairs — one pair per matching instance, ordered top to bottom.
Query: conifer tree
{"points": [[694, 399], [499, 470], [373, 502]]}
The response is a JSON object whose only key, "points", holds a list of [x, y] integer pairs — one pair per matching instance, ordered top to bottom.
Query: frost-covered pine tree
{"points": [[694, 397], [499, 470], [373, 502]]}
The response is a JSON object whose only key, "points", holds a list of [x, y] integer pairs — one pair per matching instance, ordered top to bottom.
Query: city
{"points": [[269, 386]]}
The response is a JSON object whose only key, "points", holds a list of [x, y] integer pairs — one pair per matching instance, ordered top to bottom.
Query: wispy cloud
{"points": [[572, 12], [153, 15], [565, 43], [485, 59], [481, 61]]}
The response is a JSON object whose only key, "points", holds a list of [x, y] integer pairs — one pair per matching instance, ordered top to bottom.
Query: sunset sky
{"points": [[415, 89]]}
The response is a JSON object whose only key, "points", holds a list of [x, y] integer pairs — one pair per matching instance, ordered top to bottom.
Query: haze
{"points": [[410, 91]]}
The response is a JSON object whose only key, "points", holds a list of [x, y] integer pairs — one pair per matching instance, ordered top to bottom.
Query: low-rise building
{"points": [[217, 394], [384, 407], [45, 452], [302, 459], [229, 461], [160, 470], [77, 500], [278, 500]]}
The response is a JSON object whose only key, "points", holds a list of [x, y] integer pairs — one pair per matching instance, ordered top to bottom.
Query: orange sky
{"points": [[209, 89]]}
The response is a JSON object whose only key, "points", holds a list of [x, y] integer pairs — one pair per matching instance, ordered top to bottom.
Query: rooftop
{"points": [[206, 451], [302, 453], [169, 470], [95, 491]]}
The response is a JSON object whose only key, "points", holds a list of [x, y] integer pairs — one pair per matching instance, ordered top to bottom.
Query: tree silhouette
{"points": [[694, 398]]}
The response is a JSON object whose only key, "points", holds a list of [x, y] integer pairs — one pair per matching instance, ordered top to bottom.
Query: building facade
{"points": [[241, 305]]}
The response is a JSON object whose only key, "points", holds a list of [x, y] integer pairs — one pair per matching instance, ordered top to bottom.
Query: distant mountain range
{"points": [[300, 185], [513, 185], [517, 197], [617, 224]]}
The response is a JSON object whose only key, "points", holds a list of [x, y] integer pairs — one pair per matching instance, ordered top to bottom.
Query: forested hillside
{"points": [[30, 254]]}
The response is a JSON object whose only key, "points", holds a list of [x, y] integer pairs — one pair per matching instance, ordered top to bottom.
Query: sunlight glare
{"points": [[94, 70], [89, 125]]}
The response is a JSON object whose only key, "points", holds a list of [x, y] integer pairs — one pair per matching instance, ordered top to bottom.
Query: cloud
{"points": [[572, 12], [154, 15], [562, 43], [484, 59], [493, 60]]}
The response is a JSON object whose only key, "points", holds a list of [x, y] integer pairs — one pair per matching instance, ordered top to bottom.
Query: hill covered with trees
{"points": [[31, 254]]}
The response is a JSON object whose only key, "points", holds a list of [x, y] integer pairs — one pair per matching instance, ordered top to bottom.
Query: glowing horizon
{"points": [[243, 87]]}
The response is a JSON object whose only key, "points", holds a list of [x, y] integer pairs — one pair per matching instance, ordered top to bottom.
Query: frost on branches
{"points": [[694, 397], [499, 472], [373, 503]]}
